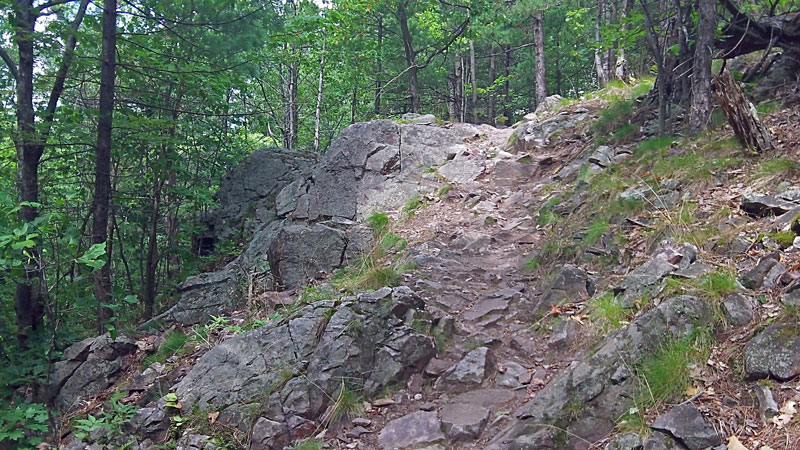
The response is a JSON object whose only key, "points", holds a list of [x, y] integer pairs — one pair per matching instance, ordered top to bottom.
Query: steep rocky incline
{"points": [[478, 347]]}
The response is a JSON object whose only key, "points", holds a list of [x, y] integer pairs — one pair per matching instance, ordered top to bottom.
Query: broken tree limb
{"points": [[744, 34], [741, 114]]}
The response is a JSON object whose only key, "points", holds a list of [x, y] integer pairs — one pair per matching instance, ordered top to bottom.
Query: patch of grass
{"points": [[769, 107], [614, 116], [624, 134], [655, 145], [777, 166], [444, 190], [413, 204], [546, 214], [379, 222], [595, 231], [784, 239], [550, 251], [718, 284], [315, 294], [607, 313], [173, 343], [665, 375], [348, 402], [634, 421], [314, 444]]}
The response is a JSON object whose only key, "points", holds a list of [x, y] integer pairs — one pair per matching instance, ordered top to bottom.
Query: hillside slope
{"points": [[571, 282]]}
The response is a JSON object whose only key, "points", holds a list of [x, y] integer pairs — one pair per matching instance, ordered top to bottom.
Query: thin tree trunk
{"points": [[598, 39], [658, 55], [411, 56], [379, 67], [541, 71], [621, 71], [473, 81], [457, 83], [507, 85], [354, 104], [463, 106], [293, 109], [700, 109], [318, 112], [491, 113], [29, 145], [102, 177], [151, 260]]}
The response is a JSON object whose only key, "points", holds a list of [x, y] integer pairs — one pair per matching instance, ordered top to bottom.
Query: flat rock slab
{"points": [[461, 171], [759, 205], [486, 307], [775, 352], [471, 370], [485, 397], [463, 422], [685, 423], [413, 430]]}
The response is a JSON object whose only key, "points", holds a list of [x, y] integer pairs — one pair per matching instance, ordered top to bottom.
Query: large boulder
{"points": [[536, 135], [373, 166], [246, 195], [301, 251], [203, 295], [89, 367], [294, 367], [600, 382]]}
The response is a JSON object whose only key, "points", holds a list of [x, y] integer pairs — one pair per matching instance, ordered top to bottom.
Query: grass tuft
{"points": [[607, 313], [173, 343]]}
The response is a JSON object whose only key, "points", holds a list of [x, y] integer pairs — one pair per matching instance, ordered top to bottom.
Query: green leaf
{"points": [[92, 256]]}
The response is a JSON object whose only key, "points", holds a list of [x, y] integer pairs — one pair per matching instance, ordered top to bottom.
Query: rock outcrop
{"points": [[89, 367], [294, 369], [601, 383]]}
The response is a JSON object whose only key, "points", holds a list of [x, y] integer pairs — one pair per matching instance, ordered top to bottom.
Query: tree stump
{"points": [[741, 114]]}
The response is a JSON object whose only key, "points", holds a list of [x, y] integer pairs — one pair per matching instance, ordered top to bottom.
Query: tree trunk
{"points": [[598, 51], [411, 55], [658, 55], [379, 68], [541, 71], [621, 71], [473, 82], [457, 83], [507, 84], [354, 104], [292, 106], [463, 106], [700, 109], [318, 112], [491, 113], [741, 114], [29, 144], [102, 176], [151, 260]]}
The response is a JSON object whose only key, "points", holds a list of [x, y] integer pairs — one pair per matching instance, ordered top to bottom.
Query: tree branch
{"points": [[10, 63]]}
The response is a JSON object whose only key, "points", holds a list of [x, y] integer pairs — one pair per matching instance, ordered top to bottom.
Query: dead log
{"points": [[744, 34], [741, 114]]}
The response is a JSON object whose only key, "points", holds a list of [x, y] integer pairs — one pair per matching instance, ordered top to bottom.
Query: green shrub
{"points": [[22, 426]]}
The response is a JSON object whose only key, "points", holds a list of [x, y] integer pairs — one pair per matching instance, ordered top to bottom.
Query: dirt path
{"points": [[471, 244]]}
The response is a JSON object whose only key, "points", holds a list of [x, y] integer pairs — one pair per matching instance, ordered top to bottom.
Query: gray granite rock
{"points": [[737, 309], [775, 352], [463, 422], [686, 424], [411, 431]]}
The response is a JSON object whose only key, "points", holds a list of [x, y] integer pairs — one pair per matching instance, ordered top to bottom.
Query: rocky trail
{"points": [[473, 346]]}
